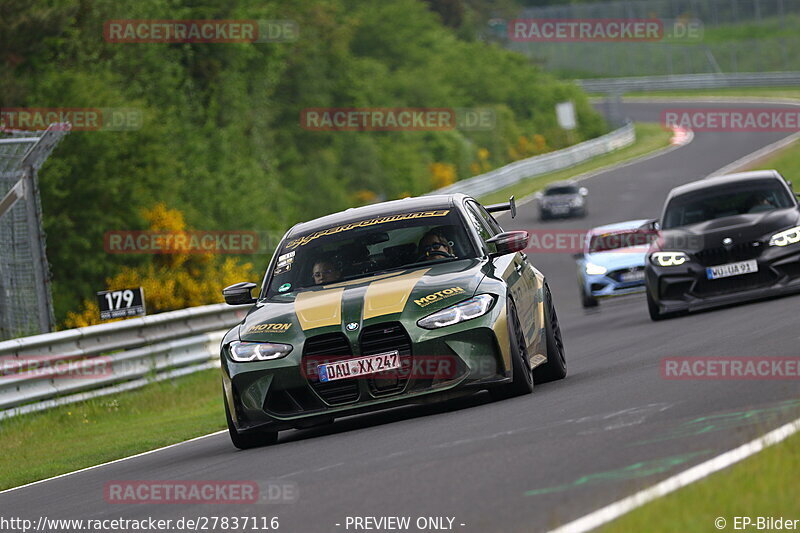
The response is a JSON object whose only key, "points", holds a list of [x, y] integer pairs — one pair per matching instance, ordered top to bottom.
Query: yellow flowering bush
{"points": [[442, 174], [171, 281]]}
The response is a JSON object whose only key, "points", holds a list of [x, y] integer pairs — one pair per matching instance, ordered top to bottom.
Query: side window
{"points": [[489, 220], [477, 221]]}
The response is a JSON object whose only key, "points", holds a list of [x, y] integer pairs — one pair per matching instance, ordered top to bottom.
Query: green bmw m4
{"points": [[399, 302]]}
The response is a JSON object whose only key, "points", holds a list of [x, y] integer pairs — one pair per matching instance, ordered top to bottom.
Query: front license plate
{"points": [[559, 210], [732, 269], [637, 275], [360, 366]]}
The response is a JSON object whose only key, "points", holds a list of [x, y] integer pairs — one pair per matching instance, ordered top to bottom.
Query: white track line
{"points": [[114, 461], [621, 507]]}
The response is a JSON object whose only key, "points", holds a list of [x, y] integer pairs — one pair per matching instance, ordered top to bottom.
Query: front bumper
{"points": [[564, 212], [603, 286], [686, 288], [285, 394]]}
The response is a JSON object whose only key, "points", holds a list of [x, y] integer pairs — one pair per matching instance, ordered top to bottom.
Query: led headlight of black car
{"points": [[786, 237], [668, 259], [460, 312], [243, 352]]}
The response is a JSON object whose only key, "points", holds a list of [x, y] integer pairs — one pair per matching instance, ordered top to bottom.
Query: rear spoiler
{"points": [[510, 206]]}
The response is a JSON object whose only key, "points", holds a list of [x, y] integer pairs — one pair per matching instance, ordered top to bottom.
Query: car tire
{"points": [[587, 300], [520, 364], [556, 366], [247, 439]]}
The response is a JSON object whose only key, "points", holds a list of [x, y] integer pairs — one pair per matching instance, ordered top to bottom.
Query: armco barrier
{"points": [[690, 81], [542, 164], [146, 349]]}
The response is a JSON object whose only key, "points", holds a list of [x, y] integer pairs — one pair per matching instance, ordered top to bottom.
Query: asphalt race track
{"points": [[526, 464]]}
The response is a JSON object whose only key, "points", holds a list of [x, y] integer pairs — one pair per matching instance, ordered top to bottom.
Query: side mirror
{"points": [[583, 191], [539, 195], [509, 242], [239, 293]]}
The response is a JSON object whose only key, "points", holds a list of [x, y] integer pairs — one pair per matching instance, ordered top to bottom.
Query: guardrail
{"points": [[690, 81], [542, 164], [77, 364]]}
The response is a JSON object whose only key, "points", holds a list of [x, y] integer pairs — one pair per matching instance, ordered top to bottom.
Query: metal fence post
{"points": [[41, 270]]}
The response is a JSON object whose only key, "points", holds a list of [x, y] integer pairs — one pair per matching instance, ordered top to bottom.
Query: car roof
{"points": [[728, 179], [392, 207], [628, 224]]}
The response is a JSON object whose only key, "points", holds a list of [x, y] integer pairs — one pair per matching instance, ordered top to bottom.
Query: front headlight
{"points": [[576, 202], [786, 237], [667, 259], [595, 270], [460, 312], [243, 352]]}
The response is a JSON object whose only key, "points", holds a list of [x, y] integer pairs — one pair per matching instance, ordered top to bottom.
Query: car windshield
{"points": [[555, 191], [725, 201], [620, 239], [368, 247]]}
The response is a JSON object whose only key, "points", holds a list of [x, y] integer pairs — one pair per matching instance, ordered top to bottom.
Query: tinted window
{"points": [[553, 191], [757, 196], [488, 219], [477, 222], [617, 240], [366, 247]]}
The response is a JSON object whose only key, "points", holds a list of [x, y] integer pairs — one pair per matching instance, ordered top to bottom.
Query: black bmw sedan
{"points": [[724, 240]]}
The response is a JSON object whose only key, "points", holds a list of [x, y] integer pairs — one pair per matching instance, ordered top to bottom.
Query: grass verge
{"points": [[649, 137], [786, 161], [41, 445], [762, 485]]}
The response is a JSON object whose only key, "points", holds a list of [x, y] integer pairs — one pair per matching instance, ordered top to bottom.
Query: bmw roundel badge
{"points": [[352, 326]]}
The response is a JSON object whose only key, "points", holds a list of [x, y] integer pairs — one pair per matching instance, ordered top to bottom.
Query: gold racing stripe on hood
{"points": [[390, 295], [316, 309]]}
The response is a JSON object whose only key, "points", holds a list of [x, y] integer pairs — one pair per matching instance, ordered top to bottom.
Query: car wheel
{"points": [[587, 300], [556, 365], [521, 367], [247, 439]]}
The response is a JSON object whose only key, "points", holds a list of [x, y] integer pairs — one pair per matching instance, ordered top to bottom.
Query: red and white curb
{"points": [[681, 136]]}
